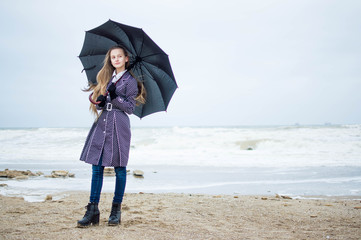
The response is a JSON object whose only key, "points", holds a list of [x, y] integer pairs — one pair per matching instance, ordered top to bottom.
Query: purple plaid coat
{"points": [[110, 134]]}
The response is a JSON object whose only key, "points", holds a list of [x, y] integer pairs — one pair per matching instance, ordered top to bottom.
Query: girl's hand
{"points": [[111, 91], [102, 100]]}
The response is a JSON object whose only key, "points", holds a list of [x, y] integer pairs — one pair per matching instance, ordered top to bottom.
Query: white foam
{"points": [[272, 146], [277, 146]]}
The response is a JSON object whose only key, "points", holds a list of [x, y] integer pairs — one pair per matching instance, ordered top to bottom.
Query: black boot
{"points": [[91, 216], [114, 218]]}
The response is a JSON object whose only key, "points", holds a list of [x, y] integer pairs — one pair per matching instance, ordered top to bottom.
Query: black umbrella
{"points": [[148, 62]]}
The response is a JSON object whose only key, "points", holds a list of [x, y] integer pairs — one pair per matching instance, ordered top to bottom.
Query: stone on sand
{"points": [[108, 172], [138, 173], [17, 174], [60, 174], [285, 197], [48, 198]]}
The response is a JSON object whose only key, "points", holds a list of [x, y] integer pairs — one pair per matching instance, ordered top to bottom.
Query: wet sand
{"points": [[185, 216]]}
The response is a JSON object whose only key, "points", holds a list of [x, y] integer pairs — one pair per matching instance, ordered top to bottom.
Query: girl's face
{"points": [[118, 59]]}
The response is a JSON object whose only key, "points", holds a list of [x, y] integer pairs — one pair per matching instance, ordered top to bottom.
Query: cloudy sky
{"points": [[237, 62]]}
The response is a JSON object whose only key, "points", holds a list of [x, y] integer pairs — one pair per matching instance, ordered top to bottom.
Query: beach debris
{"points": [[250, 148], [109, 172], [138, 173], [17, 174], [60, 174], [21, 177], [3, 185], [141, 192], [217, 196], [48, 197], [235, 197], [285, 197], [264, 198], [328, 205], [357, 207], [313, 216]]}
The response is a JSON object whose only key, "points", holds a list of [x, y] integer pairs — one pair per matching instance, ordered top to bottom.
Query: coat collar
{"points": [[116, 77]]}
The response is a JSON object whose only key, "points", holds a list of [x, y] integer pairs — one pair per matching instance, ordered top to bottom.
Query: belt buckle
{"points": [[109, 106]]}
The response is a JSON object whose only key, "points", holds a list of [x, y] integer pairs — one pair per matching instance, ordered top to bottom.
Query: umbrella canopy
{"points": [[148, 62]]}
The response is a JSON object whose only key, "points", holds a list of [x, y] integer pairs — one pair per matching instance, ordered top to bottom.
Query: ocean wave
{"points": [[192, 146]]}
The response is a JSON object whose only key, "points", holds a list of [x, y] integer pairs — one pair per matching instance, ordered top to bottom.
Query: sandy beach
{"points": [[185, 216]]}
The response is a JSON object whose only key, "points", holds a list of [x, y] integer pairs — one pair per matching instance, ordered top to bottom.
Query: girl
{"points": [[108, 141]]}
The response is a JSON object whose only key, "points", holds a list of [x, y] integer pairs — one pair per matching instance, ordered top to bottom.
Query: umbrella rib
{"points": [[125, 34], [141, 49], [153, 55], [155, 81]]}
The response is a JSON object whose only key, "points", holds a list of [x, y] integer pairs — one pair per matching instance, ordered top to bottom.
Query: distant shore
{"points": [[185, 216]]}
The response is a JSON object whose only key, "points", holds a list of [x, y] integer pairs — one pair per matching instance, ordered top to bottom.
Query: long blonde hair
{"points": [[103, 78]]}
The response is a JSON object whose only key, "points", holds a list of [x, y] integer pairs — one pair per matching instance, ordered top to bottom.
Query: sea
{"points": [[297, 161]]}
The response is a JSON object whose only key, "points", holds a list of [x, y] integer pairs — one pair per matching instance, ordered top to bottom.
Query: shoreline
{"points": [[294, 182], [60, 196], [185, 216]]}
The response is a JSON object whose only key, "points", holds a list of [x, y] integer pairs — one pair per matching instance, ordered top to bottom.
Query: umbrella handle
{"points": [[92, 101], [95, 102]]}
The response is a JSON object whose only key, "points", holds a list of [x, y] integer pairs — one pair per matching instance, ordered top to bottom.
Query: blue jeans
{"points": [[97, 182]]}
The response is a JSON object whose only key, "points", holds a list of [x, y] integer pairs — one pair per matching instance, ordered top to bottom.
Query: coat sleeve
{"points": [[127, 103]]}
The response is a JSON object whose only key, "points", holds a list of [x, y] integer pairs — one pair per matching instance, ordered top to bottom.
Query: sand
{"points": [[184, 216]]}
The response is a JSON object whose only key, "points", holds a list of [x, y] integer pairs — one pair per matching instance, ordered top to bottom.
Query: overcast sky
{"points": [[270, 62]]}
